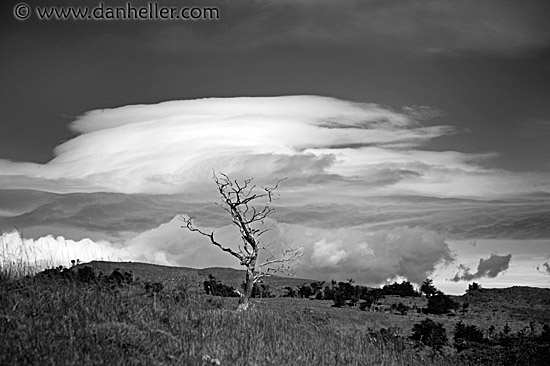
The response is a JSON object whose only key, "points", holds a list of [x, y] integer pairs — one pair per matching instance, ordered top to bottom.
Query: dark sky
{"points": [[484, 64]]}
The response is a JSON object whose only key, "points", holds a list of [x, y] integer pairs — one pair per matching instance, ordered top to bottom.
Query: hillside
{"points": [[229, 276], [516, 306]]}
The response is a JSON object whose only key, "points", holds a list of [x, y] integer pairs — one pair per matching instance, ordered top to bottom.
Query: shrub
{"points": [[59, 272], [86, 274], [117, 278], [474, 286], [153, 287], [216, 288], [402, 289], [261, 290], [305, 291], [290, 292], [328, 293], [339, 300], [366, 304], [441, 304], [401, 308], [430, 333], [545, 335], [467, 336]]}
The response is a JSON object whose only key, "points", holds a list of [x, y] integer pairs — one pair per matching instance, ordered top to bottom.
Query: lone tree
{"points": [[249, 206]]}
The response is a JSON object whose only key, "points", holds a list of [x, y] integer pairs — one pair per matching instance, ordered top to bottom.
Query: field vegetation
{"points": [[137, 314]]}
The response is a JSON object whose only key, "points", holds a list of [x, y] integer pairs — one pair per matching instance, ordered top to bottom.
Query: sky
{"points": [[412, 136]]}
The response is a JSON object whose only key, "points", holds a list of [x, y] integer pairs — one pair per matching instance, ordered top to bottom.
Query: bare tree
{"points": [[249, 207]]}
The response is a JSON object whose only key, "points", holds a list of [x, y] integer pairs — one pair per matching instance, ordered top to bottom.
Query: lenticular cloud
{"points": [[172, 147]]}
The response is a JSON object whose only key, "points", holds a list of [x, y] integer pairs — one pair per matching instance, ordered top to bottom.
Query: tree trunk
{"points": [[244, 300]]}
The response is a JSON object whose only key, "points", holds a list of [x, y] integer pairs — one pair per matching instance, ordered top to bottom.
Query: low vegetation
{"points": [[84, 316], [75, 317]]}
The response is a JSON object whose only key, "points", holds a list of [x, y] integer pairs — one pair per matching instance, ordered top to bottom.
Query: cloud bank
{"points": [[49, 251], [370, 258], [490, 267]]}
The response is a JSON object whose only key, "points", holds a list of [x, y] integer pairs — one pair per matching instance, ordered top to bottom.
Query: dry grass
{"points": [[47, 321], [53, 321]]}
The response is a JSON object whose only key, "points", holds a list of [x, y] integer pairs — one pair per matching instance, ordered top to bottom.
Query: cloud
{"points": [[323, 145], [172, 146], [118, 217], [166, 244], [48, 251], [370, 258], [490, 267], [545, 268]]}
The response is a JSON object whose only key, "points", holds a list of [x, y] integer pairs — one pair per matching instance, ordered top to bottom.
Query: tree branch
{"points": [[189, 225]]}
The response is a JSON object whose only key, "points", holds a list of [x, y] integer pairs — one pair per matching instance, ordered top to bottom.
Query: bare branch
{"points": [[189, 225], [282, 263]]}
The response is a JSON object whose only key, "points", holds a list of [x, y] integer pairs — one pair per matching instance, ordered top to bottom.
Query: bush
{"points": [[87, 275], [118, 279], [474, 286], [153, 287], [216, 288], [402, 289], [261, 290], [305, 291], [290, 292], [339, 300], [441, 304], [364, 305], [400, 308], [430, 333], [467, 336]]}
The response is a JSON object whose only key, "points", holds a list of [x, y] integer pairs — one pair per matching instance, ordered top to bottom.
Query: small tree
{"points": [[240, 199], [428, 288]]}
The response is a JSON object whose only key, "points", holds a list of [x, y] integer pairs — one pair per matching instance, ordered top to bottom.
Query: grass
{"points": [[52, 321], [63, 321]]}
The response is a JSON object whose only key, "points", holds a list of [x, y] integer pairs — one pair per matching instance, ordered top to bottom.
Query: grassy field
{"points": [[62, 321]]}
